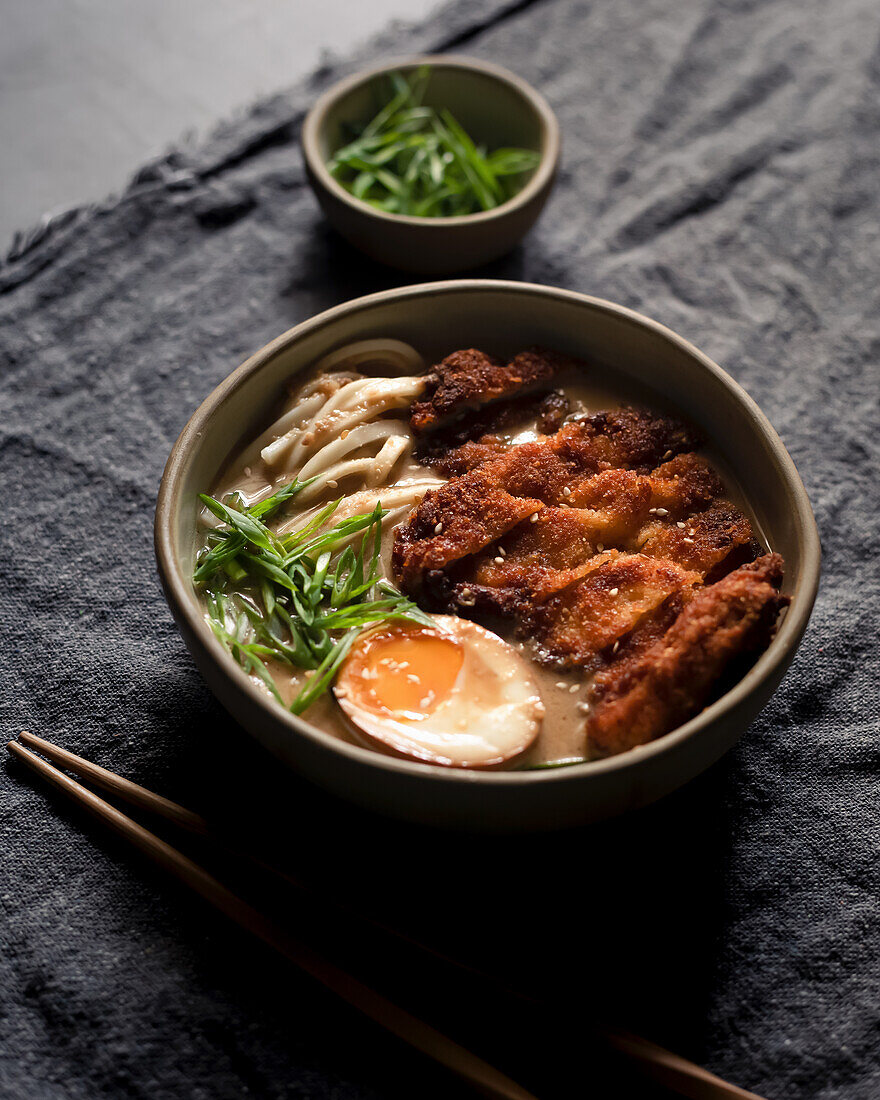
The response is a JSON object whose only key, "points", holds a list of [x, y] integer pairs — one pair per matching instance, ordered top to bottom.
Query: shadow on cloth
{"points": [[330, 271], [617, 921]]}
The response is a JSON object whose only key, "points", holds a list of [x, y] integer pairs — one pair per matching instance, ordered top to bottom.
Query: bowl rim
{"points": [[315, 120], [178, 588]]}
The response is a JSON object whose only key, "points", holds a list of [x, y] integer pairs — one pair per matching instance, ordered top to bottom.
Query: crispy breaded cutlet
{"points": [[471, 379], [458, 448], [465, 457], [542, 471], [455, 521], [609, 543], [576, 625], [636, 700]]}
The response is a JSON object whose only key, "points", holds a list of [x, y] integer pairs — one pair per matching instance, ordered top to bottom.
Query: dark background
{"points": [[720, 174]]}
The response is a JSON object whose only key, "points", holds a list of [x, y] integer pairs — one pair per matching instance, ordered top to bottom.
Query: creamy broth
{"points": [[253, 478], [562, 730]]}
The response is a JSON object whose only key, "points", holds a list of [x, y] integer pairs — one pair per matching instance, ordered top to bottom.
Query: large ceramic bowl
{"points": [[495, 106], [625, 351]]}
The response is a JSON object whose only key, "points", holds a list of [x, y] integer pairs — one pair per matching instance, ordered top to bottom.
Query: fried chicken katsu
{"points": [[471, 380], [447, 451], [607, 541], [662, 685]]}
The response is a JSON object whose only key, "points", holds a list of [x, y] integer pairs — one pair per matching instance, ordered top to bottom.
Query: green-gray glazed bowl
{"points": [[494, 106], [624, 350]]}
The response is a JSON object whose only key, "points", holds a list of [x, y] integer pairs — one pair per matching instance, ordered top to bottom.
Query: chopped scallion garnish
{"points": [[414, 159], [299, 599]]}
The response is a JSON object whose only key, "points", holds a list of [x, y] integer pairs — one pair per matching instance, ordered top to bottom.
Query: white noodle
{"points": [[400, 357], [349, 406], [301, 411], [346, 431], [396, 499]]}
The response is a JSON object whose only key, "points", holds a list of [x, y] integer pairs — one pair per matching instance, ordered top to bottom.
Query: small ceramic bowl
{"points": [[496, 108], [625, 352]]}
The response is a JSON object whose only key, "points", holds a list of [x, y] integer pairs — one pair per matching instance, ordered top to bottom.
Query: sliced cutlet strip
{"points": [[471, 379], [625, 437], [451, 449], [466, 457], [548, 468], [542, 472], [685, 484], [616, 501], [476, 509], [457, 520], [700, 542], [541, 557], [537, 559], [523, 594], [577, 625], [666, 683]]}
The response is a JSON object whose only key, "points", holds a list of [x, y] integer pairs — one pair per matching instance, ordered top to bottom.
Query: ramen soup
{"points": [[481, 563]]}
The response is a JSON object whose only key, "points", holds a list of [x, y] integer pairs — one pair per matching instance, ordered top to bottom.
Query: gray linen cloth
{"points": [[722, 174]]}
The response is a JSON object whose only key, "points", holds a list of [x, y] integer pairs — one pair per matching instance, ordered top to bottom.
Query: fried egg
{"points": [[452, 694]]}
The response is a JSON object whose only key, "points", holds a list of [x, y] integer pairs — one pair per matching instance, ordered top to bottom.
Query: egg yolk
{"points": [[402, 670]]}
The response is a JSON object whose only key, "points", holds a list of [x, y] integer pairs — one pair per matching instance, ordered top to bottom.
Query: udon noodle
{"points": [[343, 430]]}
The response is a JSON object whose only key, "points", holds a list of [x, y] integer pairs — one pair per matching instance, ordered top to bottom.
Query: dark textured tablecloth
{"points": [[722, 174]]}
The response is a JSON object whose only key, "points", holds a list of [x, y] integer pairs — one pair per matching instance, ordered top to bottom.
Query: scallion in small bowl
{"points": [[416, 159], [434, 164]]}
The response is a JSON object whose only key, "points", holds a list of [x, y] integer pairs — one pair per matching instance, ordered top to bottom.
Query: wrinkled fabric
{"points": [[720, 173]]}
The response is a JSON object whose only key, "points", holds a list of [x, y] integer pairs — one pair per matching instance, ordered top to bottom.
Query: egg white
{"points": [[492, 713]]}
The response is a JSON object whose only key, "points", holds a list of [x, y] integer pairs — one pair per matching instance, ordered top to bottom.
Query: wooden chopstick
{"points": [[129, 792], [175, 814], [655, 1062], [673, 1072], [483, 1077]]}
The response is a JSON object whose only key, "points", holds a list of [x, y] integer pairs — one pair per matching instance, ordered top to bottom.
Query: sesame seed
{"points": [[668, 455], [247, 471], [332, 484], [566, 492], [652, 511], [662, 511], [533, 518], [680, 525], [438, 528], [691, 541], [600, 546], [502, 551], [499, 560], [613, 591], [466, 598], [615, 647], [562, 684], [574, 689], [584, 708]]}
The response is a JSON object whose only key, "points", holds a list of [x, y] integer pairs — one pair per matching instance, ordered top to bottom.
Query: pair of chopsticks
{"points": [[655, 1062]]}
